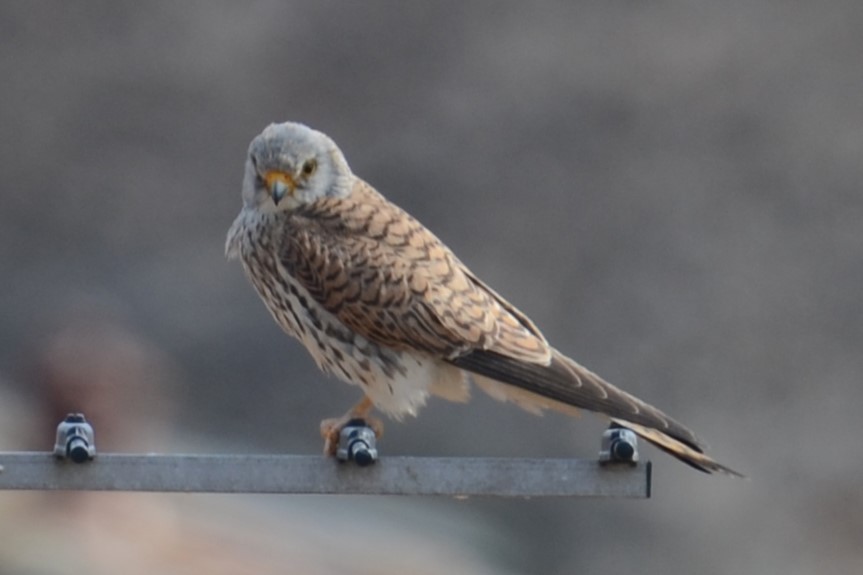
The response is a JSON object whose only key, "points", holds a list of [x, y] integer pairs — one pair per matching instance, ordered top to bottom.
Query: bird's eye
{"points": [[309, 167]]}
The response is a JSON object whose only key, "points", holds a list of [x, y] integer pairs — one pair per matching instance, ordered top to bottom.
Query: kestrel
{"points": [[379, 301]]}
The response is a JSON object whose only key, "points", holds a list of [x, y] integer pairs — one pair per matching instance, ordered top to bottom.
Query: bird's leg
{"points": [[332, 427]]}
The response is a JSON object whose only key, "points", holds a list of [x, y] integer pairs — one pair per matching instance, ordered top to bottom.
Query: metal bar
{"points": [[309, 474]]}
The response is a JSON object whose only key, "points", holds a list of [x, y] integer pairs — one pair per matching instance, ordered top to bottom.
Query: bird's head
{"points": [[290, 165]]}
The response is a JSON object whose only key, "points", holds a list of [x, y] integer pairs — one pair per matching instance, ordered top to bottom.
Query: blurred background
{"points": [[672, 192]]}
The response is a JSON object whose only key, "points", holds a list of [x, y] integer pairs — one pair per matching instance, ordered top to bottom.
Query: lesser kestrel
{"points": [[379, 301]]}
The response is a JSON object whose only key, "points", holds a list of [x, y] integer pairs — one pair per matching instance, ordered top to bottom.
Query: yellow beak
{"points": [[280, 184]]}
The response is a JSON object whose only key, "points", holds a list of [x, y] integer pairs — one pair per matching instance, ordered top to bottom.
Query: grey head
{"points": [[290, 165]]}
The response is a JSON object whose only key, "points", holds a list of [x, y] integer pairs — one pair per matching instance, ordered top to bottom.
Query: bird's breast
{"points": [[397, 381]]}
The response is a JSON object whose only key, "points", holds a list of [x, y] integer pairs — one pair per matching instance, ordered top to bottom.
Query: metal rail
{"points": [[309, 474]]}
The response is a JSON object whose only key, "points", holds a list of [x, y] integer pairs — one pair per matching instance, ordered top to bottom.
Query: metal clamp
{"points": [[75, 439], [357, 443], [619, 445]]}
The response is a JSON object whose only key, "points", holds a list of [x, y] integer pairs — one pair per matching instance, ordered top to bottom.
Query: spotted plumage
{"points": [[380, 302]]}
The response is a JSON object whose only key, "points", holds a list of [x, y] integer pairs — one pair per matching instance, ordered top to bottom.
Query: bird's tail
{"points": [[564, 384], [692, 456]]}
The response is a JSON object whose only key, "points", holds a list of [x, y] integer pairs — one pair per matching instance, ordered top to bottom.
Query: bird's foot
{"points": [[331, 429]]}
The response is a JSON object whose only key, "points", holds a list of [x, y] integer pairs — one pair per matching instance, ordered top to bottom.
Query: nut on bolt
{"points": [[75, 439], [357, 443], [619, 445]]}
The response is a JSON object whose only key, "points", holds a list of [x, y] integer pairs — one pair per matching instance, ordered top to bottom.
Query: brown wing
{"points": [[388, 278]]}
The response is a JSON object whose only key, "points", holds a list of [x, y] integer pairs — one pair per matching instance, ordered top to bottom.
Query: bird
{"points": [[381, 302]]}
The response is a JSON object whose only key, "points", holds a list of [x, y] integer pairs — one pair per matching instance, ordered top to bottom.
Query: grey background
{"points": [[670, 190]]}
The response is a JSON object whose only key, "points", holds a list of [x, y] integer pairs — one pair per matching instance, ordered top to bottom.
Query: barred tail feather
{"points": [[564, 385], [688, 455]]}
